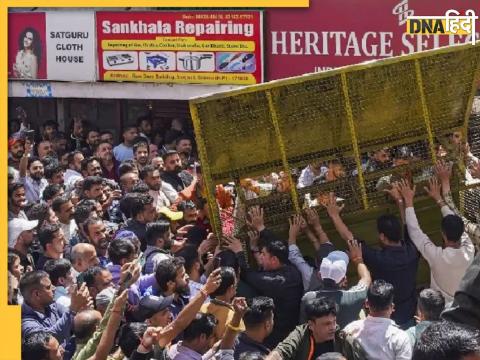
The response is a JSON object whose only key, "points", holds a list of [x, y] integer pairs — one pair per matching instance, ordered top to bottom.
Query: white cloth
{"points": [[26, 65], [71, 177], [307, 177], [33, 188], [169, 191], [160, 200], [69, 229], [447, 265], [62, 296], [381, 338]]}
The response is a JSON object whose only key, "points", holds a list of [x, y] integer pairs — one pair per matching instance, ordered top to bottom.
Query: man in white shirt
{"points": [[73, 173], [310, 174], [151, 176], [64, 210], [449, 263], [378, 335]]}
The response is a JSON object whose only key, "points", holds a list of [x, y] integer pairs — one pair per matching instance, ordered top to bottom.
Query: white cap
{"points": [[16, 226], [334, 266]]}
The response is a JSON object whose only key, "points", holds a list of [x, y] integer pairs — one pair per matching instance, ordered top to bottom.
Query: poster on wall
{"points": [[332, 33], [54, 45], [27, 46], [206, 47]]}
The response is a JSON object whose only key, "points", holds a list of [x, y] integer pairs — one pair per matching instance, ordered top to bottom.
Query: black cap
{"points": [[150, 305]]}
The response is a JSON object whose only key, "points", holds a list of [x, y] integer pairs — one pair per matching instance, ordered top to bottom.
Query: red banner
{"points": [[332, 33], [27, 46], [209, 47]]}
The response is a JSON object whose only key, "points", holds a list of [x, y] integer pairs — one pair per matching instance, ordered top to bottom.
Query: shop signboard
{"points": [[331, 33], [53, 45], [206, 47]]}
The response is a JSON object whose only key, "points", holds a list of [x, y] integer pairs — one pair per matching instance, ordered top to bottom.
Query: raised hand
{"points": [[28, 147], [475, 170], [443, 171], [434, 189], [394, 191], [408, 193], [333, 209], [312, 217], [256, 221], [295, 228], [253, 236], [233, 244], [355, 251], [130, 273], [213, 281], [80, 298], [120, 302], [240, 306], [150, 337]]}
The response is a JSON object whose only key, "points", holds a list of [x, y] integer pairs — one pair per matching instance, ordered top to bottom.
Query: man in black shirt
{"points": [[173, 173], [142, 212], [53, 241], [396, 262], [278, 280], [258, 322], [316, 337]]}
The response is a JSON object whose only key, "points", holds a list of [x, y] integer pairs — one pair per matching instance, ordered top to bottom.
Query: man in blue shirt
{"points": [[124, 151], [41, 313]]}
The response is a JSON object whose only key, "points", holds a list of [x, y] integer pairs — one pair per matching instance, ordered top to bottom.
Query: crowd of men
{"points": [[112, 256]]}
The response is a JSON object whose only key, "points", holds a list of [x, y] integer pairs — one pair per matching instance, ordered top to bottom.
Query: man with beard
{"points": [[144, 125], [49, 130], [77, 135], [106, 136], [92, 139], [59, 143], [183, 145], [16, 149], [45, 149], [124, 151], [153, 151], [141, 153], [379, 160], [108, 163], [91, 167], [73, 172], [54, 173], [173, 173], [151, 177], [128, 181], [35, 183], [92, 188], [64, 210], [142, 212], [96, 233], [20, 238], [159, 240], [53, 241], [171, 280], [41, 313]]}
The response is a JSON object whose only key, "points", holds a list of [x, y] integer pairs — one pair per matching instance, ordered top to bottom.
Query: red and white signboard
{"points": [[333, 33], [53, 45], [209, 47]]}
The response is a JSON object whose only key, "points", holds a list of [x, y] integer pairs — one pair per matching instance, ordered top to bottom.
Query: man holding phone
{"points": [[35, 181]]}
